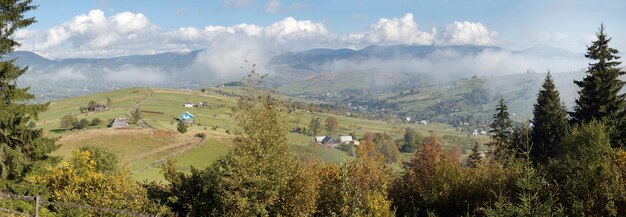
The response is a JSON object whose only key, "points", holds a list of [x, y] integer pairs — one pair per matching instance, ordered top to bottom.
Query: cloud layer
{"points": [[95, 34]]}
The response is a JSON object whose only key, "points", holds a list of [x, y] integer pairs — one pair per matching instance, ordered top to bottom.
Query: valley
{"points": [[143, 149]]}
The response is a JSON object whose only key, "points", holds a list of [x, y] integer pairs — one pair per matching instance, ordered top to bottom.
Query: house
{"points": [[188, 105], [100, 108], [186, 117], [424, 122], [119, 123], [483, 132], [474, 133], [325, 140], [348, 140]]}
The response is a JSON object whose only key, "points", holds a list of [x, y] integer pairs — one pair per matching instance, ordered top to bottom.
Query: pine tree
{"points": [[599, 95], [549, 123], [501, 129], [22, 149], [474, 159], [587, 179]]}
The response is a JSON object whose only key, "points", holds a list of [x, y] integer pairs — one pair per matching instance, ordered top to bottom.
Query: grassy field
{"points": [[143, 149]]}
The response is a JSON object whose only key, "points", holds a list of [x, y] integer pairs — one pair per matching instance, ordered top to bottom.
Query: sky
{"points": [[106, 28]]}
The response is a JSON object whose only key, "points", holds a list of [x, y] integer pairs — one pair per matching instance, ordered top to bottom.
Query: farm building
{"points": [[203, 104], [188, 105], [100, 108], [186, 117], [119, 123], [325, 140], [348, 140]]}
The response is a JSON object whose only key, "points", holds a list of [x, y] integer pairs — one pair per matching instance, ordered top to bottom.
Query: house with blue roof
{"points": [[186, 117]]}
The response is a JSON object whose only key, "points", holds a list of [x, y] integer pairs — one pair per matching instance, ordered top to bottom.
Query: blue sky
{"points": [[99, 28]]}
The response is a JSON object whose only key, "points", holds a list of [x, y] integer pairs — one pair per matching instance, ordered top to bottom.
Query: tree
{"points": [[599, 97], [109, 102], [91, 106], [135, 115], [68, 122], [96, 122], [549, 123], [81, 124], [32, 125], [331, 125], [314, 126], [181, 127], [501, 129], [411, 140], [521, 145], [386, 146], [22, 149], [474, 159], [105, 160], [258, 176], [588, 180], [78, 181], [427, 181], [359, 188]]}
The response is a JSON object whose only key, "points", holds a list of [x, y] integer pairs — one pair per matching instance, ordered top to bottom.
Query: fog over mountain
{"points": [[391, 63]]}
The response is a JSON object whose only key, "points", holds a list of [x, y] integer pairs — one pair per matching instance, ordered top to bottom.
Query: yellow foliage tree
{"points": [[78, 182], [358, 188]]}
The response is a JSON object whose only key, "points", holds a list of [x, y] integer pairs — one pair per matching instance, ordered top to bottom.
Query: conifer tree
{"points": [[599, 95], [549, 122], [501, 129], [22, 149], [474, 159]]}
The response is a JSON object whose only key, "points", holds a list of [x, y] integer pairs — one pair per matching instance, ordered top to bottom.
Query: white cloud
{"points": [[272, 7], [290, 29], [402, 30], [96, 31], [464, 33], [96, 35], [224, 58]]}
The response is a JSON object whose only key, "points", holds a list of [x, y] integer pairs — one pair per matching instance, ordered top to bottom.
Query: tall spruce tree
{"points": [[599, 95], [549, 123], [501, 129], [22, 149]]}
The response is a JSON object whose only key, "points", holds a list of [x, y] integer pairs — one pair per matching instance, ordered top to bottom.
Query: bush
{"points": [[68, 122], [96, 122], [81, 124], [182, 127]]}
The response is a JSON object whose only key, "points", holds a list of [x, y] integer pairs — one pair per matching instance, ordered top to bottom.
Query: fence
{"points": [[39, 202]]}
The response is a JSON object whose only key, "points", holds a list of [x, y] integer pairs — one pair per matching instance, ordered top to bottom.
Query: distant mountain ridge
{"points": [[168, 59], [298, 60]]}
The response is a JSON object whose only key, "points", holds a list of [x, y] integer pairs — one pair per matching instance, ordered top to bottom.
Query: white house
{"points": [[188, 105]]}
